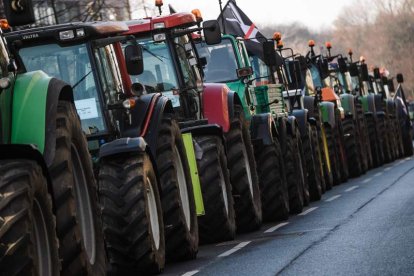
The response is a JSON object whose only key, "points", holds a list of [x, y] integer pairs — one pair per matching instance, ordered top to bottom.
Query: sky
{"points": [[315, 14]]}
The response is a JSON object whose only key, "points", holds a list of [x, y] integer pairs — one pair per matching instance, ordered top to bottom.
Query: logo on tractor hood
{"points": [[30, 36]]}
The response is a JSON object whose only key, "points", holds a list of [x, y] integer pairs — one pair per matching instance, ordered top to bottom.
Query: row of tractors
{"points": [[124, 145]]}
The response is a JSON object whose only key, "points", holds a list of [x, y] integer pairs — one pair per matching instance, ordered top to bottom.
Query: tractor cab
{"points": [[80, 54]]}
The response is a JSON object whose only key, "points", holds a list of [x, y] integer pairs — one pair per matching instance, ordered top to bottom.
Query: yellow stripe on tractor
{"points": [[325, 146], [192, 162]]}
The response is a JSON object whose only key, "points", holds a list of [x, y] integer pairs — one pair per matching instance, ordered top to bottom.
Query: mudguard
{"points": [[35, 101], [309, 103], [368, 103], [218, 104], [348, 104], [328, 113], [146, 119], [302, 119], [291, 125], [204, 129], [263, 129], [123, 145]]}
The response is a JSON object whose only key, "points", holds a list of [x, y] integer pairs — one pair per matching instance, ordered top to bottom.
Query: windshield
{"points": [[221, 62], [72, 65], [159, 73]]}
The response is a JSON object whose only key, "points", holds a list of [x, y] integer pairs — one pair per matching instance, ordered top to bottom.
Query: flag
{"points": [[235, 22]]}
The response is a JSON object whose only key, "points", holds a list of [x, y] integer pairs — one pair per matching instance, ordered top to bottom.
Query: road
{"points": [[362, 227]]}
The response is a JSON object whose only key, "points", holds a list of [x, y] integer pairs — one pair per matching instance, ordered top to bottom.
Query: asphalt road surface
{"points": [[362, 227]]}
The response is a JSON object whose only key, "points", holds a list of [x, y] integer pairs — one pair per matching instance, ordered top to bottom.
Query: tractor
{"points": [[138, 183], [50, 219]]}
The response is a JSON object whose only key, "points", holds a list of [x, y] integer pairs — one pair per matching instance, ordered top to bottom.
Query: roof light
{"points": [[159, 3], [197, 14], [4, 24], [159, 25], [80, 32], [65, 35], [277, 36], [159, 37], [311, 43], [280, 44], [328, 45], [350, 52], [362, 59]]}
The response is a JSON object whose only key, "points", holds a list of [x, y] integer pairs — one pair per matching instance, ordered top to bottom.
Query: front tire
{"points": [[351, 147], [311, 154], [131, 214], [78, 219], [219, 222], [28, 241]]}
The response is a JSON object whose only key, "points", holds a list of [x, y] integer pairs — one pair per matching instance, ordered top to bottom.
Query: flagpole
{"points": [[222, 17]]}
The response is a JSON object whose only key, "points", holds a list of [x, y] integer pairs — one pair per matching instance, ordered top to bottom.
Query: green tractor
{"points": [[275, 137], [132, 175], [50, 220]]}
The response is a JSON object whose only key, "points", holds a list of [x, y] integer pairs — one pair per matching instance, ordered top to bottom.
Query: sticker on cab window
{"points": [[87, 108]]}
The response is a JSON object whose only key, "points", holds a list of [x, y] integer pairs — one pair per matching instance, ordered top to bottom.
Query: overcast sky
{"points": [[315, 14]]}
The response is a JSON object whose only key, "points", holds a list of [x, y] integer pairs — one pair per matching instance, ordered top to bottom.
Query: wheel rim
{"points": [[249, 174], [182, 185], [224, 192], [83, 206], [153, 214], [42, 244]]}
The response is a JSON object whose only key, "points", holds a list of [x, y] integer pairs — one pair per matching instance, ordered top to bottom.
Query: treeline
{"points": [[380, 30]]}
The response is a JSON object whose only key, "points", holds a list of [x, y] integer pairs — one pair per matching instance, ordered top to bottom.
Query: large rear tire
{"points": [[373, 140], [352, 149], [311, 154], [333, 155], [243, 174], [294, 174], [272, 181], [177, 197], [131, 214], [78, 218], [219, 222], [28, 241]]}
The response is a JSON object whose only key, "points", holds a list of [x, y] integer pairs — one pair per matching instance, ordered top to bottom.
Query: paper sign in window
{"points": [[87, 108]]}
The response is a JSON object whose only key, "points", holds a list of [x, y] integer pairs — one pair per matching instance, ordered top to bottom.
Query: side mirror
{"points": [[19, 12], [212, 33], [269, 53], [134, 59], [343, 68], [353, 70], [244, 72], [364, 72], [377, 74], [400, 78], [390, 83]]}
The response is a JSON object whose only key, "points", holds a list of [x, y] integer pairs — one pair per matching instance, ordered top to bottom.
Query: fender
{"points": [[35, 101], [368, 103], [218, 104], [309, 104], [348, 104], [401, 110], [328, 113], [146, 119], [301, 119], [291, 125], [204, 129], [263, 129], [123, 145]]}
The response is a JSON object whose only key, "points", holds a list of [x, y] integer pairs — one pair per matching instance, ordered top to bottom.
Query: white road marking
{"points": [[408, 158], [387, 169], [378, 174], [367, 180], [351, 188], [332, 198], [308, 211], [274, 228], [234, 249], [191, 273]]}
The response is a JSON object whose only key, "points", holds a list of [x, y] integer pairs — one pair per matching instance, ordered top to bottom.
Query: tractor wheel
{"points": [[382, 128], [373, 139], [407, 140], [400, 141], [340, 145], [352, 149], [311, 155], [333, 155], [327, 168], [243, 174], [294, 174], [273, 183], [177, 197], [131, 214], [78, 218], [219, 222], [28, 241]]}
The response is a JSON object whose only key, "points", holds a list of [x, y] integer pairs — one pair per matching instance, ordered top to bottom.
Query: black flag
{"points": [[235, 22]]}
